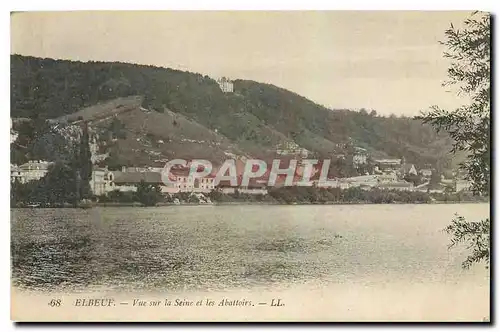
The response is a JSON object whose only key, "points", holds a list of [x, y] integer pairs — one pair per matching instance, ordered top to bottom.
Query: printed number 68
{"points": [[55, 303]]}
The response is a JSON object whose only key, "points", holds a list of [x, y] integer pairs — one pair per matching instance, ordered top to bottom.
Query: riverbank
{"points": [[275, 196], [242, 203]]}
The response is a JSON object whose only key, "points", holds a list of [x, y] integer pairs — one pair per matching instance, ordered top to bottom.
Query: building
{"points": [[226, 85], [13, 133], [291, 149], [360, 157], [388, 164], [132, 169], [31, 171], [15, 173], [426, 173], [387, 178], [101, 181], [128, 181], [363, 181], [182, 182], [336, 183], [205, 184], [400, 185], [255, 187], [433, 189]]}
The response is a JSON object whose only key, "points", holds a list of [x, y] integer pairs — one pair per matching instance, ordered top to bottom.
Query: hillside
{"points": [[192, 117]]}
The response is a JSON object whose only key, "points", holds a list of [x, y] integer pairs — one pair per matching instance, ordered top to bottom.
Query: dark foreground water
{"points": [[235, 247]]}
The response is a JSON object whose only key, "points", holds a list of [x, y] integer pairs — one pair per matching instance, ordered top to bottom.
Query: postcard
{"points": [[250, 166]]}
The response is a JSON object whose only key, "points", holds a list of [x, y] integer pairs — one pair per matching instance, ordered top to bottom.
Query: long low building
{"points": [[31, 171], [400, 185]]}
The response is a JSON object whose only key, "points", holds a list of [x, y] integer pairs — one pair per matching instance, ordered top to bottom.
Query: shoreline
{"points": [[138, 205]]}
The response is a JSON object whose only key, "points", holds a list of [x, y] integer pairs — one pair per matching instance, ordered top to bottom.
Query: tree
{"points": [[363, 111], [469, 125], [83, 165], [415, 179], [435, 179], [60, 184], [148, 194]]}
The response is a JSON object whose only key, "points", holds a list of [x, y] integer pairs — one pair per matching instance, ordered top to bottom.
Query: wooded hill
{"points": [[252, 120]]}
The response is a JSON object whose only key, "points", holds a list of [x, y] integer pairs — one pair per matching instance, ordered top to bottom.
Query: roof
{"points": [[388, 161], [35, 165], [178, 172], [137, 177], [401, 184]]}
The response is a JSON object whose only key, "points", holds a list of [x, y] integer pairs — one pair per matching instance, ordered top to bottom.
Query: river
{"points": [[364, 248]]}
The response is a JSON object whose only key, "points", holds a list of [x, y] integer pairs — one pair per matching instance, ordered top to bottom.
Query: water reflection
{"points": [[179, 248]]}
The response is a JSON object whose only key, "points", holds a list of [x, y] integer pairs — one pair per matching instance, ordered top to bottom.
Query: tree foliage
{"points": [[256, 117], [469, 125], [83, 164], [148, 194], [475, 235]]}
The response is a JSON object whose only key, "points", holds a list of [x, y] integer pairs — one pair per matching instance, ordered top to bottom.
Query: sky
{"points": [[388, 61]]}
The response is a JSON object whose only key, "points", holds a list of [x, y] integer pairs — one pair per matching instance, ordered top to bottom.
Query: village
{"points": [[388, 174]]}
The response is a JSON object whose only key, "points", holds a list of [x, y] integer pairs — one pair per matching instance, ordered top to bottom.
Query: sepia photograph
{"points": [[250, 166]]}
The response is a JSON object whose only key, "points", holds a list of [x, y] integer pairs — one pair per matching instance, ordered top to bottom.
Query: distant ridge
{"points": [[251, 121]]}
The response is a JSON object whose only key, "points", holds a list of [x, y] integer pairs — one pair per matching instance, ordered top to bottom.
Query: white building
{"points": [[226, 85], [13, 133], [291, 149], [360, 157], [388, 164], [30, 171], [102, 181], [363, 181], [182, 182], [337, 183], [205, 184], [401, 186]]}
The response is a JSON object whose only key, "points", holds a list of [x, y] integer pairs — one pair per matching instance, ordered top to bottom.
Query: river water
{"points": [[189, 248]]}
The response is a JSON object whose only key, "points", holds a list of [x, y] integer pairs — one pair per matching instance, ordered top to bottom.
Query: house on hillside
{"points": [[226, 85], [291, 149], [360, 157], [388, 164], [30, 171]]}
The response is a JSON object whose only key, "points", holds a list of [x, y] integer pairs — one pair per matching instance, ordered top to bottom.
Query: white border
{"points": [[46, 5]]}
